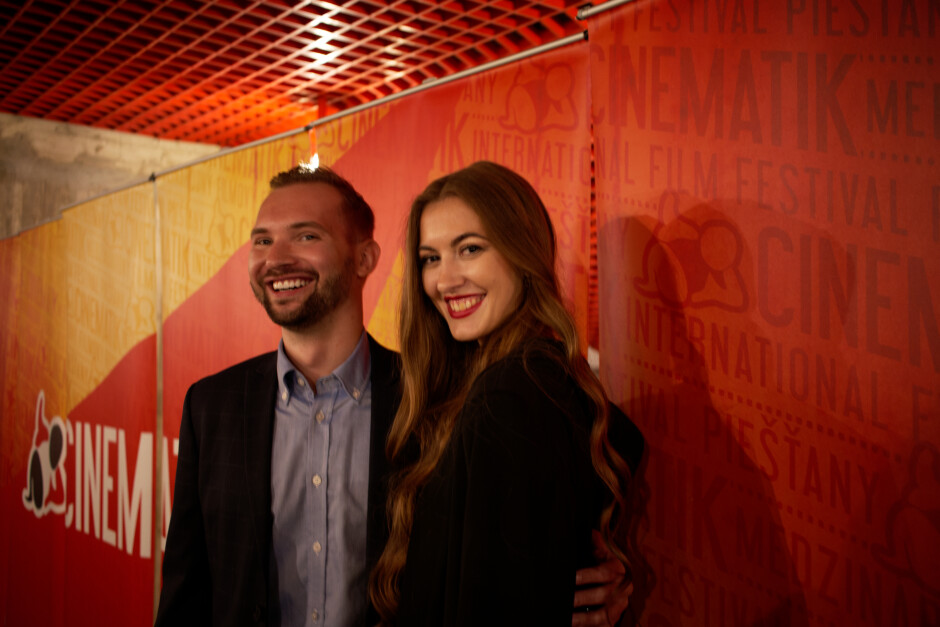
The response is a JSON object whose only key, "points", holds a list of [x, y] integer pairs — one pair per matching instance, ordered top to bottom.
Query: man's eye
{"points": [[309, 236], [262, 241]]}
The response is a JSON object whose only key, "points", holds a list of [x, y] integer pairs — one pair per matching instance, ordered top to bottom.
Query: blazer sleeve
{"points": [[519, 466], [186, 596]]}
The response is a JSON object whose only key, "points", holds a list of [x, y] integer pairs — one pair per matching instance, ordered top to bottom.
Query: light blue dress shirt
{"points": [[319, 493]]}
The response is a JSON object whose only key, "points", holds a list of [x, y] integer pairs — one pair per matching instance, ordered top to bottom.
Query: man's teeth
{"points": [[288, 284], [463, 304]]}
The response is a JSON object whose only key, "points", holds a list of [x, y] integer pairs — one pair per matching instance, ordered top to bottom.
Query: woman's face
{"points": [[470, 282]]}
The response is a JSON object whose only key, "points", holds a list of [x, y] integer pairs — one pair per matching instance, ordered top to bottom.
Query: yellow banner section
{"points": [[207, 211], [108, 256], [9, 296], [383, 323], [36, 357]]}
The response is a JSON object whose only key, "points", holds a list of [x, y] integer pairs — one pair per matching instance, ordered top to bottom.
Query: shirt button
{"points": [[301, 382], [356, 394], [284, 395], [320, 416], [317, 481], [317, 547], [315, 615]]}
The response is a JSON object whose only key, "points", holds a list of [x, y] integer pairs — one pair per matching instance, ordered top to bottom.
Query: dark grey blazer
{"points": [[216, 564]]}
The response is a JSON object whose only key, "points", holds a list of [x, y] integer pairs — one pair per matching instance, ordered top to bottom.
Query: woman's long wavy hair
{"points": [[438, 370]]}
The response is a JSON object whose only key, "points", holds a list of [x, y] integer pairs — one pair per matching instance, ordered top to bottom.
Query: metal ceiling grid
{"points": [[228, 72]]}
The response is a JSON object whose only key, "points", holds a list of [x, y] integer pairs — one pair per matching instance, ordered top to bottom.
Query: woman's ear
{"points": [[367, 257]]}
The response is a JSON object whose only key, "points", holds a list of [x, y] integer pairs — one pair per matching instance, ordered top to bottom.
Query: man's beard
{"points": [[327, 296]]}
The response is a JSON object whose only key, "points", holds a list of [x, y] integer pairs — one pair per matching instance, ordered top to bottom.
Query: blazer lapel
{"points": [[260, 391], [386, 395]]}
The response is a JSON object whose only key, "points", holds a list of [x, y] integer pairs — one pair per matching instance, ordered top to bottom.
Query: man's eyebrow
{"points": [[307, 224], [296, 226]]}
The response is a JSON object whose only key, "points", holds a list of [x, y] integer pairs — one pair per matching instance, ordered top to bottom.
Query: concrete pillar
{"points": [[46, 166]]}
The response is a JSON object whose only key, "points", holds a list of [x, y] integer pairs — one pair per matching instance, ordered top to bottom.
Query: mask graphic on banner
{"points": [[541, 98], [693, 263], [46, 467]]}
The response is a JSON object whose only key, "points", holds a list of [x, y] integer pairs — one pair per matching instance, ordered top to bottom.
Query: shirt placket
{"points": [[318, 473]]}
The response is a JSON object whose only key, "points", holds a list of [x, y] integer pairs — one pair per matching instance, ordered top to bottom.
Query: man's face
{"points": [[301, 264]]}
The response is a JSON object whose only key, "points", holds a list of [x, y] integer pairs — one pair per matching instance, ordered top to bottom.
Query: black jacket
{"points": [[215, 569]]}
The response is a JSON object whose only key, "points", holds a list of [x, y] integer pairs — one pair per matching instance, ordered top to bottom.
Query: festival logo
{"points": [[541, 97], [693, 260], [46, 488]]}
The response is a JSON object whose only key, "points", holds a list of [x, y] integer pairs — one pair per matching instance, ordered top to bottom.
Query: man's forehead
{"points": [[298, 197], [301, 205]]}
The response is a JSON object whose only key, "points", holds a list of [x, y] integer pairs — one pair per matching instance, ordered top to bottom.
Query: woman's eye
{"points": [[470, 249], [427, 259]]}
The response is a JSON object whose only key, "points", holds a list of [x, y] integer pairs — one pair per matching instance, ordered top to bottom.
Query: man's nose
{"points": [[279, 253]]}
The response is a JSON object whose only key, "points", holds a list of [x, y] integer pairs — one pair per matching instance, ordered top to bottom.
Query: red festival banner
{"points": [[531, 115], [768, 198], [80, 384], [77, 514]]}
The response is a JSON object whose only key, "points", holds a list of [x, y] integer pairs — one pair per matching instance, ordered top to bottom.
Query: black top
{"points": [[506, 518]]}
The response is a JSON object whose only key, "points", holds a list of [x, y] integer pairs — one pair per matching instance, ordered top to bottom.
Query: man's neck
{"points": [[320, 350]]}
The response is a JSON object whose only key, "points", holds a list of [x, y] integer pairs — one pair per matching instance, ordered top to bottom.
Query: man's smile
{"points": [[288, 284]]}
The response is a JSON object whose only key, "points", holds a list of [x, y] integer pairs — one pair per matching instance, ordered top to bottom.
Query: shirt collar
{"points": [[353, 374]]}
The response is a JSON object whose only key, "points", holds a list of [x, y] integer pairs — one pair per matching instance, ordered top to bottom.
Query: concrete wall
{"points": [[46, 166]]}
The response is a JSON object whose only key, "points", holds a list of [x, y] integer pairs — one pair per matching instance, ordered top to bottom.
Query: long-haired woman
{"points": [[504, 431]]}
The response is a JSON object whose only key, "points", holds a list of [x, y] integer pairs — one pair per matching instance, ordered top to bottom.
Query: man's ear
{"points": [[367, 257]]}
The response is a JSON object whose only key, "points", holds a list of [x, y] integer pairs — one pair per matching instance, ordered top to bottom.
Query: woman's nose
{"points": [[449, 275]]}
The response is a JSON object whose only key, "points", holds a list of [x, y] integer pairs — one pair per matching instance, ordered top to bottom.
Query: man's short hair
{"points": [[358, 212]]}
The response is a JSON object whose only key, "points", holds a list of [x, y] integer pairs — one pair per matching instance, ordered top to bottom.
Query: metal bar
{"points": [[590, 11], [158, 513]]}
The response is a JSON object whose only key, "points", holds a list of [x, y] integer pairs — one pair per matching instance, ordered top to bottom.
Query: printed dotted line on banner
{"points": [[905, 59], [895, 157], [563, 194], [628, 201], [862, 443], [781, 506], [800, 514], [771, 591]]}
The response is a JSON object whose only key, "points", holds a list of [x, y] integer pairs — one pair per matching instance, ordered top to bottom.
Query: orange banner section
{"points": [[532, 116], [769, 254]]}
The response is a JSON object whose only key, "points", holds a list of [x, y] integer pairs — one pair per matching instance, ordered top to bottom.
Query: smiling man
{"points": [[278, 511]]}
